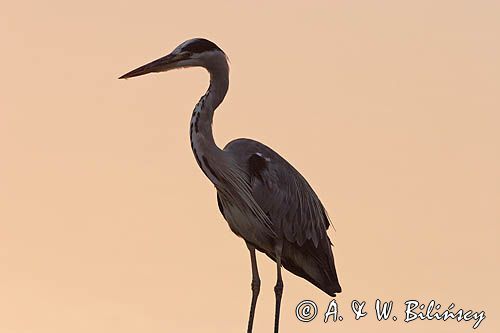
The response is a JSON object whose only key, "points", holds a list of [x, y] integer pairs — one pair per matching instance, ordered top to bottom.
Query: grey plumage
{"points": [[262, 197], [295, 211]]}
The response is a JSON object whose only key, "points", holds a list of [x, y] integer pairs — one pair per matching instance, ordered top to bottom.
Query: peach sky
{"points": [[389, 108]]}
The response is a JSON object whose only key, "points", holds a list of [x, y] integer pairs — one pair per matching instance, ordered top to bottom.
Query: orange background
{"points": [[389, 108]]}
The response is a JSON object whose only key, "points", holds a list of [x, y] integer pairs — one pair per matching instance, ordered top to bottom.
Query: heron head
{"points": [[197, 52]]}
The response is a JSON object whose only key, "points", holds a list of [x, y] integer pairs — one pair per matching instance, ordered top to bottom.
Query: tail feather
{"points": [[315, 264]]}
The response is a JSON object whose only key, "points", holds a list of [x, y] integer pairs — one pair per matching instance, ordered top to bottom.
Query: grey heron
{"points": [[263, 198]]}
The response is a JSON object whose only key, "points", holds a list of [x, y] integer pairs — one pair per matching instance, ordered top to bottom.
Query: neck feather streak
{"points": [[206, 152]]}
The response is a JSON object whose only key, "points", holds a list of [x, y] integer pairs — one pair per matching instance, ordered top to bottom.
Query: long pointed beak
{"points": [[159, 65]]}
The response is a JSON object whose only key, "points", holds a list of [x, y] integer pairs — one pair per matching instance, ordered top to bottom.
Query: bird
{"points": [[263, 198]]}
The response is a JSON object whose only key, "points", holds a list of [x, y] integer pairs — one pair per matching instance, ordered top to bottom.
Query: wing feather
{"points": [[236, 189], [283, 194]]}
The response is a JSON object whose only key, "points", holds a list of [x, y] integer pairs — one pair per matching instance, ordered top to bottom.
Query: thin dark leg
{"points": [[255, 286], [278, 290]]}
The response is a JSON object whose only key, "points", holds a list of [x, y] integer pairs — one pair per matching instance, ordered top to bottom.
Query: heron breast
{"points": [[247, 226]]}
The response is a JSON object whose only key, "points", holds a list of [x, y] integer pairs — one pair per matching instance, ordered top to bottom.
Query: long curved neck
{"points": [[205, 150]]}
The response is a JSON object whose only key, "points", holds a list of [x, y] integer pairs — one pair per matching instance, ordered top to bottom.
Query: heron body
{"points": [[278, 189], [262, 197]]}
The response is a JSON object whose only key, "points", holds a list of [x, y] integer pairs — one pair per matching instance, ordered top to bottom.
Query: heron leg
{"points": [[255, 286], [278, 289]]}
